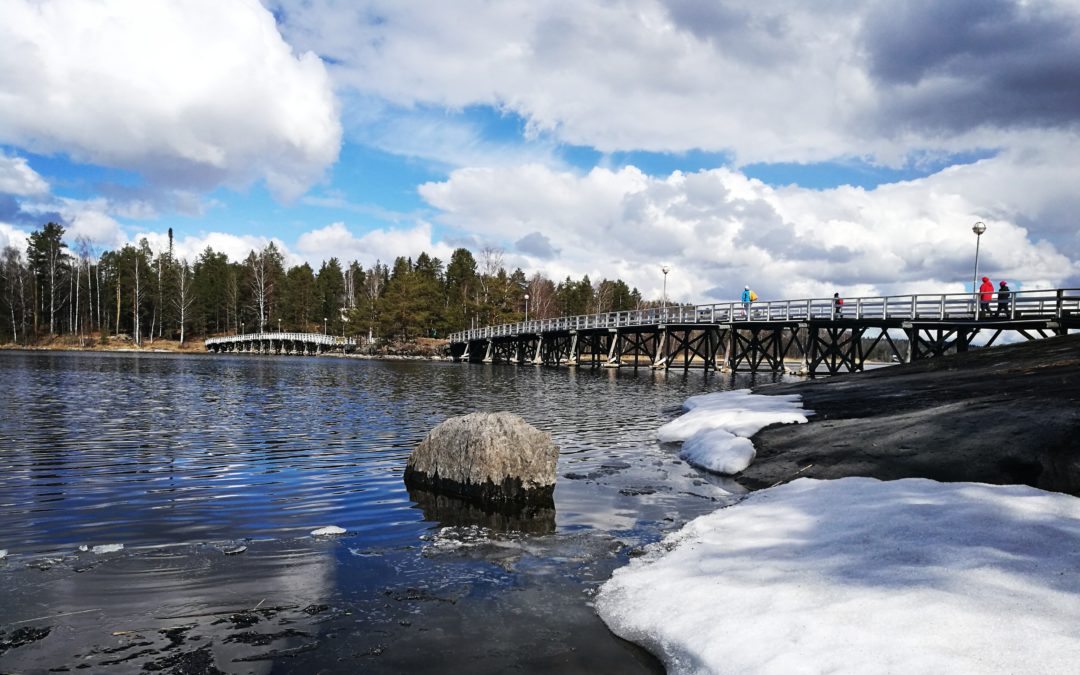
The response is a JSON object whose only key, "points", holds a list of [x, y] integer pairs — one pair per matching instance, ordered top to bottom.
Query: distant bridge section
{"points": [[823, 335], [281, 343]]}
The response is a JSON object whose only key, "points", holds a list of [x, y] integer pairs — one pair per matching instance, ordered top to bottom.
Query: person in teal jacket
{"points": [[747, 300]]}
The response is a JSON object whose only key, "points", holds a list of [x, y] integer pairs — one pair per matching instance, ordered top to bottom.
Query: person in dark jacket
{"points": [[986, 294], [1003, 299], [838, 305]]}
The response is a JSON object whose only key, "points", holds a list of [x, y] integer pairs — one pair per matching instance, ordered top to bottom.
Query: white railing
{"points": [[1037, 304], [313, 338]]}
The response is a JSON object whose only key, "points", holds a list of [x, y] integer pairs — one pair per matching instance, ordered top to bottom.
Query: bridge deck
{"points": [[768, 332]]}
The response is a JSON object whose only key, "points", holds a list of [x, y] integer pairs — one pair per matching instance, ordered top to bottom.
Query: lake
{"points": [[211, 472]]}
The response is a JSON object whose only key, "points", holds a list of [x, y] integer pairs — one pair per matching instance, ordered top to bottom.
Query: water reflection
{"points": [[177, 457], [497, 517]]}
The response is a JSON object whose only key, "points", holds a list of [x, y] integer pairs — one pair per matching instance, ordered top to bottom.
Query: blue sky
{"points": [[800, 149]]}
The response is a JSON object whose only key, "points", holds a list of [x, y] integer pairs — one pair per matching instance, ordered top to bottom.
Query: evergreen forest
{"points": [[138, 294]]}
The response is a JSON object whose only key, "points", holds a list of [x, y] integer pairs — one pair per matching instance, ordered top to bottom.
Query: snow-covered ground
{"points": [[716, 429], [862, 576]]}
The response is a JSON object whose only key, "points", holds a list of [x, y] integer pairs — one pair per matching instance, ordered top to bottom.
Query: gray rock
{"points": [[1004, 415], [493, 457]]}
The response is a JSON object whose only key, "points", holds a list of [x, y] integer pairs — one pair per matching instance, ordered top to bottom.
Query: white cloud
{"points": [[779, 80], [192, 94], [17, 178], [721, 229], [12, 236], [335, 240]]}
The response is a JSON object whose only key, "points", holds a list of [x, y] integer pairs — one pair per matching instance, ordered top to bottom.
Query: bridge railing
{"points": [[1034, 304], [314, 338]]}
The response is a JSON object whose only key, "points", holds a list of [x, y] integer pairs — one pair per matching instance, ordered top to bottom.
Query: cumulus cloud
{"points": [[770, 81], [192, 94], [17, 178], [726, 230], [12, 236], [336, 240], [536, 245]]}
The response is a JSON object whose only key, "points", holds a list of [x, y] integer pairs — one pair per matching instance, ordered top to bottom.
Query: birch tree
{"points": [[13, 272], [184, 297]]}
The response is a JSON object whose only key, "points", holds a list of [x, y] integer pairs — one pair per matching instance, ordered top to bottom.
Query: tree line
{"points": [[56, 289]]}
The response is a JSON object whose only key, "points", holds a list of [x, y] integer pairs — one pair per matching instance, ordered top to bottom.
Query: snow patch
{"points": [[716, 429], [719, 451], [328, 531], [107, 548], [3, 553], [862, 576]]}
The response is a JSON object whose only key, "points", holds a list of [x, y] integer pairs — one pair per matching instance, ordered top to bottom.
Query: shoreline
{"points": [[201, 351], [1005, 415]]}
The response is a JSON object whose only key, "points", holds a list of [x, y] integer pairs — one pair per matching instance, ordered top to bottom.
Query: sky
{"points": [[800, 148]]}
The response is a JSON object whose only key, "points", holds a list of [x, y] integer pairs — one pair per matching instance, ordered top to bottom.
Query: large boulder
{"points": [[493, 457]]}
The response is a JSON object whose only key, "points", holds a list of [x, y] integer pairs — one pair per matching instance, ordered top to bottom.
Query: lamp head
{"points": [[978, 228], [665, 268]]}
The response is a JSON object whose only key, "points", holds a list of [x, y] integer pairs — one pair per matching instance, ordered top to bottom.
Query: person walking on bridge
{"points": [[986, 294], [748, 298], [1003, 299], [838, 306]]}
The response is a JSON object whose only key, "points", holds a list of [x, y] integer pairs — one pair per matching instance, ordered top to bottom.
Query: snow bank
{"points": [[716, 429], [328, 531], [862, 576]]}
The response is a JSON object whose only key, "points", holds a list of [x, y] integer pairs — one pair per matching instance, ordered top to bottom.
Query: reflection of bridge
{"points": [[727, 335], [280, 343]]}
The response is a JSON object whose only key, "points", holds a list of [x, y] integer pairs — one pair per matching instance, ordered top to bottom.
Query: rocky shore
{"points": [[1004, 415]]}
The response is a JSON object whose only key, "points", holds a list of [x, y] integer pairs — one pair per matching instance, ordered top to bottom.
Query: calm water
{"points": [[183, 458]]}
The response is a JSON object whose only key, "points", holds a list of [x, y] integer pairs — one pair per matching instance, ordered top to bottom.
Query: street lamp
{"points": [[978, 228], [665, 268], [526, 307], [279, 324], [324, 325], [242, 331]]}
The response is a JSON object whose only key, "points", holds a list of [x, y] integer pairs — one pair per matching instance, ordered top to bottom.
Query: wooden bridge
{"points": [[817, 334], [281, 343]]}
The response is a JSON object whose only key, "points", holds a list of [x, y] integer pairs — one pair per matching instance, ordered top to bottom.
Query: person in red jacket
{"points": [[986, 294]]}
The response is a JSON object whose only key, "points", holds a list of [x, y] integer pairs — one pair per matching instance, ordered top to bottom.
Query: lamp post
{"points": [[978, 228], [665, 268], [526, 308], [279, 324], [324, 325], [242, 331]]}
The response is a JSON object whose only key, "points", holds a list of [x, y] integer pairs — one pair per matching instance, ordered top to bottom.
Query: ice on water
{"points": [[716, 429], [862, 576]]}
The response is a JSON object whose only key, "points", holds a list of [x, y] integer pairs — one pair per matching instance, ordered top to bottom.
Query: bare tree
{"points": [[82, 249], [491, 261], [13, 271], [373, 287], [184, 297], [136, 301]]}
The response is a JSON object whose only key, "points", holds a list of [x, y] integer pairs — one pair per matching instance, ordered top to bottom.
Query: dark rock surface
{"points": [[1003, 415], [491, 457]]}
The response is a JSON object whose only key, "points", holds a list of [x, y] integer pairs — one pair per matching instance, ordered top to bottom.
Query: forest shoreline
{"points": [[424, 349]]}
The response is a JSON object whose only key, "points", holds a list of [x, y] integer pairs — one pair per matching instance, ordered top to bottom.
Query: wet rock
{"points": [[1004, 415], [493, 457], [22, 636], [200, 661]]}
